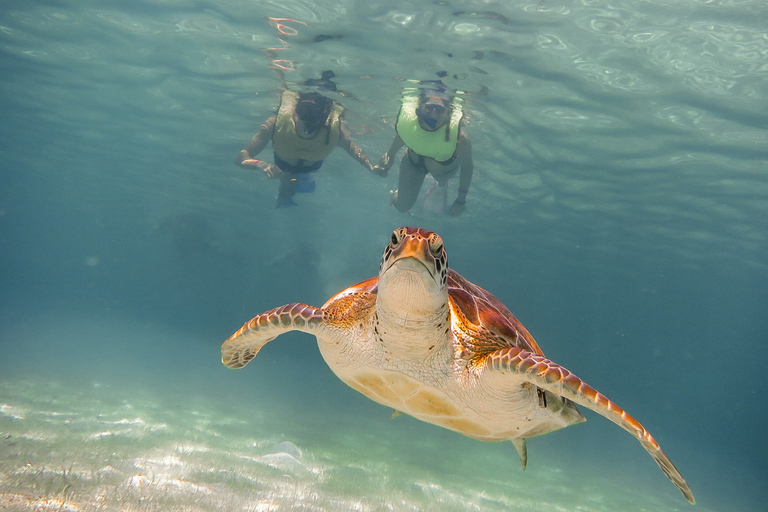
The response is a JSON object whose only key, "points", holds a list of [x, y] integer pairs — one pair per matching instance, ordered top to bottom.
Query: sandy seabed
{"points": [[98, 447]]}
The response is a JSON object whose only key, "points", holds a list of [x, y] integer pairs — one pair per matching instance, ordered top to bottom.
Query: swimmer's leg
{"points": [[408, 185], [287, 190], [436, 198]]}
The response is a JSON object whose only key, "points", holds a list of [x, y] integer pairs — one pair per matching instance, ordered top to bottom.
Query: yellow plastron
{"points": [[430, 144], [288, 145]]}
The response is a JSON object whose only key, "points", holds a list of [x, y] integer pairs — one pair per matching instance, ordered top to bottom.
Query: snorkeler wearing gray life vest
{"points": [[429, 125], [306, 129]]}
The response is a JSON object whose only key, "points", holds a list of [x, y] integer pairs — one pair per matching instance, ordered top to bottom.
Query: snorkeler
{"points": [[429, 125], [307, 127]]}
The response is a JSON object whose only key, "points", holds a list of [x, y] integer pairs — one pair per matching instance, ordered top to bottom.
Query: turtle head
{"points": [[413, 277]]}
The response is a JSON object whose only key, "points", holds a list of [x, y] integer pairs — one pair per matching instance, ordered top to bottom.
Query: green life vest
{"points": [[287, 143], [439, 144]]}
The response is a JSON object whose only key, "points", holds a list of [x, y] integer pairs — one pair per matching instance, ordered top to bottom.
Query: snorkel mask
{"points": [[313, 110], [432, 111]]}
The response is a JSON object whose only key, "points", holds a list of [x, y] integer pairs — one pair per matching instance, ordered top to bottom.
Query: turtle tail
{"points": [[243, 346], [552, 377]]}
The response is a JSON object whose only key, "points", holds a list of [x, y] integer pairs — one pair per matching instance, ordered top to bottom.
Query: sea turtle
{"points": [[421, 339]]}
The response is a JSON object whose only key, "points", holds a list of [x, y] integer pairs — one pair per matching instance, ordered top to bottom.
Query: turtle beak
{"points": [[415, 252], [411, 254], [412, 264], [412, 279]]}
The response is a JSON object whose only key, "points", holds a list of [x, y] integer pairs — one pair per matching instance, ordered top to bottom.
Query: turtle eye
{"points": [[397, 237], [436, 245]]}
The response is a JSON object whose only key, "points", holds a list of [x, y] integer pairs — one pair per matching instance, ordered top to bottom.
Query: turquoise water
{"points": [[618, 208]]}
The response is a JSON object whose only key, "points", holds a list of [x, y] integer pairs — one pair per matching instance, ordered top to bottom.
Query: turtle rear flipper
{"points": [[522, 451]]}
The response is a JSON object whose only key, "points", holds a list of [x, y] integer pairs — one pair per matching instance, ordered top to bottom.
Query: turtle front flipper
{"points": [[243, 346], [552, 377]]}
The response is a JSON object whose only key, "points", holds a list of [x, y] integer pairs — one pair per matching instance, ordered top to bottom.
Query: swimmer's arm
{"points": [[257, 143], [353, 149], [387, 160], [467, 166], [465, 178]]}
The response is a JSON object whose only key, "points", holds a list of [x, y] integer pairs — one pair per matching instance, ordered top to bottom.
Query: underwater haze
{"points": [[619, 208]]}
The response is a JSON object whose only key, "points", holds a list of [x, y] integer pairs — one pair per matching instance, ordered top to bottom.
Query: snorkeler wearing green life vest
{"points": [[429, 125], [306, 129]]}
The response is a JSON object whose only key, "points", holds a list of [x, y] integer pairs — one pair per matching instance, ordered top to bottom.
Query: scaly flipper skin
{"points": [[243, 346], [552, 377]]}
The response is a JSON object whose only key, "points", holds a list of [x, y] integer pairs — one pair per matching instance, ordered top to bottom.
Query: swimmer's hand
{"points": [[381, 168], [271, 170], [378, 170], [457, 208]]}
